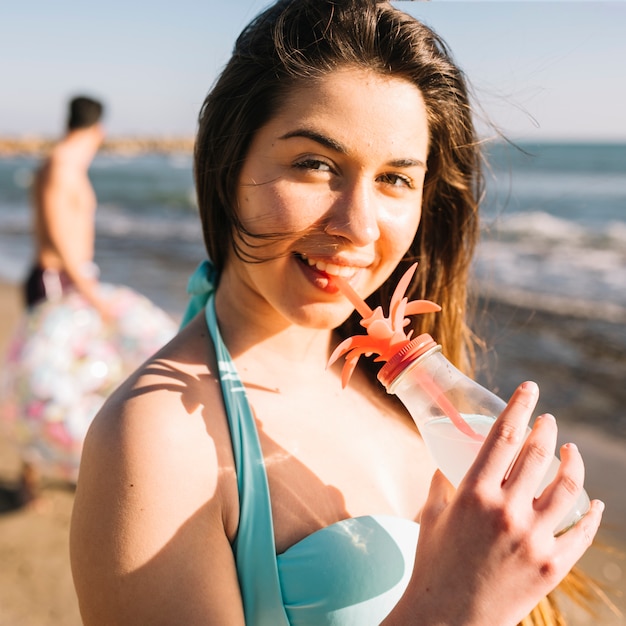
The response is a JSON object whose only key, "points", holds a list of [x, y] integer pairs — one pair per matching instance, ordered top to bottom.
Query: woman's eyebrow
{"points": [[318, 137], [335, 145], [407, 163]]}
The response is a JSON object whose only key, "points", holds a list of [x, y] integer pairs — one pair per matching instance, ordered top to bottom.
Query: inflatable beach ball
{"points": [[63, 362]]}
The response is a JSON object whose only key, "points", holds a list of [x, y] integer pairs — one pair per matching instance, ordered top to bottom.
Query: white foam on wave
{"points": [[114, 222], [538, 224], [543, 228], [616, 232], [554, 263], [554, 303]]}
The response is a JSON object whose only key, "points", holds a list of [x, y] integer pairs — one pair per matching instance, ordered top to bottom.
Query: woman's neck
{"points": [[248, 327]]}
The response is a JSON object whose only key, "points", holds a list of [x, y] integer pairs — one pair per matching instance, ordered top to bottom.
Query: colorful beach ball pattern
{"points": [[63, 362]]}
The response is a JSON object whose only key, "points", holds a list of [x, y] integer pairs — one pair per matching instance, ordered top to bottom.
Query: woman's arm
{"points": [[148, 540], [487, 554]]}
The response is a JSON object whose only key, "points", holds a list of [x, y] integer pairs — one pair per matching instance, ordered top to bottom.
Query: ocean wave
{"points": [[559, 184], [120, 224], [534, 224], [543, 227], [555, 277], [556, 304]]}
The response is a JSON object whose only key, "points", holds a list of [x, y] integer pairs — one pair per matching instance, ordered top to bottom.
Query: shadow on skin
{"points": [[293, 485]]}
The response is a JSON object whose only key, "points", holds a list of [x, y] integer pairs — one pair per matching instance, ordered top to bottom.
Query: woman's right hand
{"points": [[487, 553]]}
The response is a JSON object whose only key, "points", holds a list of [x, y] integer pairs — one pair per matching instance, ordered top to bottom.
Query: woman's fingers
{"points": [[502, 444], [533, 462], [520, 465], [562, 492], [572, 544]]}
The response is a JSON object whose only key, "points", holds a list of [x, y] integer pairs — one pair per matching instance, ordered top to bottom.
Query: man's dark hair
{"points": [[84, 112]]}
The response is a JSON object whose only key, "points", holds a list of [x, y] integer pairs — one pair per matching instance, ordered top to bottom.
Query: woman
{"points": [[337, 141]]}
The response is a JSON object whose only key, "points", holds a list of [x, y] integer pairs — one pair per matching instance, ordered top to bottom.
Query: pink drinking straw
{"points": [[346, 288], [385, 337], [447, 407]]}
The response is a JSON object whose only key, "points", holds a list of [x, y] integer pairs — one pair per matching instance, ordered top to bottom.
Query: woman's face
{"points": [[341, 169]]}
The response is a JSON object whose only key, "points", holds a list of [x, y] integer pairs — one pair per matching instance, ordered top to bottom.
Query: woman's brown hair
{"points": [[294, 42]]}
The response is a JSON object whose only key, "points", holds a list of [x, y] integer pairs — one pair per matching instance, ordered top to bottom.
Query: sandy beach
{"points": [[35, 581]]}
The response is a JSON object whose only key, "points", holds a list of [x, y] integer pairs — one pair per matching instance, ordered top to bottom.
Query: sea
{"points": [[554, 228], [553, 233]]}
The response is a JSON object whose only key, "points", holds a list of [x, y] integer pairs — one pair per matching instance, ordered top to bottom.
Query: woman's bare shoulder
{"points": [[174, 396], [169, 413], [157, 472]]}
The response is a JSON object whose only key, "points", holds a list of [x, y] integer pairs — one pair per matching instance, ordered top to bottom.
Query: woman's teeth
{"points": [[345, 271]]}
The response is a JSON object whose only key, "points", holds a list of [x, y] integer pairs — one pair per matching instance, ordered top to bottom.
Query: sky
{"points": [[540, 70]]}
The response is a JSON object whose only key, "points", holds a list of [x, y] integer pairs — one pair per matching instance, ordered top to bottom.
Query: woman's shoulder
{"points": [[173, 394], [166, 425], [157, 491]]}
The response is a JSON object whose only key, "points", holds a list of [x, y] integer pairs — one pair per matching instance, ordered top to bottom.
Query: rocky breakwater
{"points": [[36, 145]]}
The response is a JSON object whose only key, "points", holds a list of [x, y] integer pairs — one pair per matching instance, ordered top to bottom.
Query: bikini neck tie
{"points": [[200, 287]]}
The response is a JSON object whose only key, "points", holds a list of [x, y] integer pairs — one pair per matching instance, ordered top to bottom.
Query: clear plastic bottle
{"points": [[452, 412]]}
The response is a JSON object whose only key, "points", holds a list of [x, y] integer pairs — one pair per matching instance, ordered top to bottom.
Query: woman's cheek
{"points": [[281, 209], [401, 226]]}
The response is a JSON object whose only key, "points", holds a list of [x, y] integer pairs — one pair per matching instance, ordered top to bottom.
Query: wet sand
{"points": [[35, 581]]}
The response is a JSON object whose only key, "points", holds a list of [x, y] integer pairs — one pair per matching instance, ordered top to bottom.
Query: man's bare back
{"points": [[64, 204]]}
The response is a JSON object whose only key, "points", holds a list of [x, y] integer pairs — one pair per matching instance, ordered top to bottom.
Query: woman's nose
{"points": [[354, 215]]}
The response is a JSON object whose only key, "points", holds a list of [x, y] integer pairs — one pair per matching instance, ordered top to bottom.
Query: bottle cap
{"points": [[405, 356]]}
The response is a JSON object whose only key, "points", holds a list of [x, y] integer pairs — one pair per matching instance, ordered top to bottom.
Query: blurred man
{"points": [[64, 211]]}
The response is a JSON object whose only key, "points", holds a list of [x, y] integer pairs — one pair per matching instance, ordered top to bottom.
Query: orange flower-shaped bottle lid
{"points": [[385, 335]]}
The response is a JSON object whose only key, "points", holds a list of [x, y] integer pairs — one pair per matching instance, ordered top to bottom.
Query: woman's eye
{"points": [[313, 164], [396, 180]]}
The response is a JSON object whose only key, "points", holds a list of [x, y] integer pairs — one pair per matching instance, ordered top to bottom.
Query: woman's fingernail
{"points": [[530, 386], [547, 416]]}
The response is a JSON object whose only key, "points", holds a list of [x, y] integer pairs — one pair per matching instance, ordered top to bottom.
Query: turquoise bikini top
{"points": [[352, 572]]}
